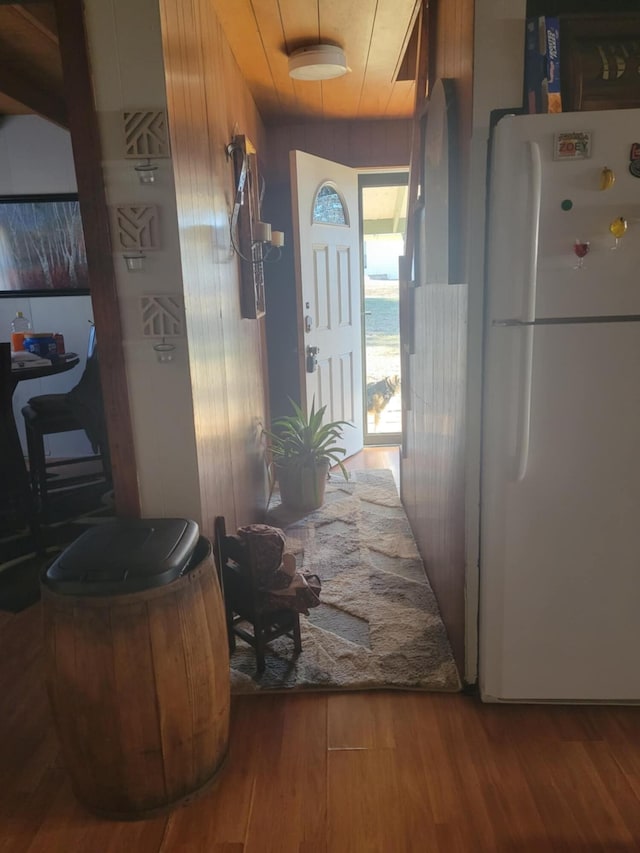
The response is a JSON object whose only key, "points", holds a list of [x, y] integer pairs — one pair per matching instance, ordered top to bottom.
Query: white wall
{"points": [[125, 49], [497, 83], [35, 157]]}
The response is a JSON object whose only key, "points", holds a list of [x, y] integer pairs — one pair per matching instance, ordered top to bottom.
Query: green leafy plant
{"points": [[304, 442]]}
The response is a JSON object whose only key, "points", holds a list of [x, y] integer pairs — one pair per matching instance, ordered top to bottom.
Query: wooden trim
{"points": [[42, 17], [408, 60], [31, 73], [422, 87], [44, 103], [85, 138], [407, 295]]}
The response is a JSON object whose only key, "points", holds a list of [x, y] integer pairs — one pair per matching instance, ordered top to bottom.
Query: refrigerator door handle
{"points": [[535, 200], [529, 313], [524, 407]]}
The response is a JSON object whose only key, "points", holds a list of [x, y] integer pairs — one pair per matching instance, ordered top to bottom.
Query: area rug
{"points": [[378, 625]]}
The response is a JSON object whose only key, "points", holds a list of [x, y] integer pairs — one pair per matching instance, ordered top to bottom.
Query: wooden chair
{"points": [[245, 603]]}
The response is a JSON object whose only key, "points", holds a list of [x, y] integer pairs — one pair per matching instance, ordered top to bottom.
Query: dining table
{"points": [[15, 488]]}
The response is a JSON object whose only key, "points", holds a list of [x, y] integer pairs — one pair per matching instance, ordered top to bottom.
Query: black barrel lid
{"points": [[124, 556]]}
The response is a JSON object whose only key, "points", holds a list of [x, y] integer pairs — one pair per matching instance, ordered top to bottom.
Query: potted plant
{"points": [[302, 451]]}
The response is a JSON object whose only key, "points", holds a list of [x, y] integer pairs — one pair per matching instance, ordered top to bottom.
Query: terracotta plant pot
{"points": [[302, 488]]}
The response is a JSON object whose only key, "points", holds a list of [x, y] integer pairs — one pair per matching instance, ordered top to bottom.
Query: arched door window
{"points": [[329, 207]]}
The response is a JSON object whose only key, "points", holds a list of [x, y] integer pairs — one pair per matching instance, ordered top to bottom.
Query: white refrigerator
{"points": [[560, 495]]}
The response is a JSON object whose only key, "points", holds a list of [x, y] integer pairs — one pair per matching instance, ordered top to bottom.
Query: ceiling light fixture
{"points": [[317, 62]]}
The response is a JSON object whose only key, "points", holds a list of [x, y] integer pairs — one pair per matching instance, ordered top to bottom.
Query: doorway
{"points": [[57, 37], [383, 206], [347, 298]]}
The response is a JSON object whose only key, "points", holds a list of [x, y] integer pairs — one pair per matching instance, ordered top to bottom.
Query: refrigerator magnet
{"points": [[574, 145], [634, 160]]}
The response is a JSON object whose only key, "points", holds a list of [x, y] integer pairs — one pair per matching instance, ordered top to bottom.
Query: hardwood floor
{"points": [[376, 457], [385, 772]]}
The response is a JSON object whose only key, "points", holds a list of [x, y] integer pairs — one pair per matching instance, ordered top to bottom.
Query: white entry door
{"points": [[327, 248]]}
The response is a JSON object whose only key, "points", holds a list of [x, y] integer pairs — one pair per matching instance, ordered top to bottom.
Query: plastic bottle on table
{"points": [[20, 325]]}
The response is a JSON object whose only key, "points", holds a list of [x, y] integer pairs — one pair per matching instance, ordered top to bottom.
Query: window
{"points": [[328, 207]]}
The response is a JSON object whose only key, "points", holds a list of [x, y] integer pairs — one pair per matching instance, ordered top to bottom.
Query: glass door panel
{"points": [[383, 209]]}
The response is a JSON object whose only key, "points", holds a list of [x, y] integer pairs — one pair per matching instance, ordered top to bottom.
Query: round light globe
{"points": [[317, 62]]}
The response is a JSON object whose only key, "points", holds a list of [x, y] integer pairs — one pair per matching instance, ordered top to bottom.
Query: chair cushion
{"points": [[50, 404], [55, 418]]}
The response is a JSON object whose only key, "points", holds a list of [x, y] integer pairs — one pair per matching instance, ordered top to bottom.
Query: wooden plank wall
{"points": [[208, 103], [363, 144], [433, 470]]}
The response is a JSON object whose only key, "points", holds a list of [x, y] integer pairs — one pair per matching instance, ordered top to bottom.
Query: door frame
{"points": [[374, 178]]}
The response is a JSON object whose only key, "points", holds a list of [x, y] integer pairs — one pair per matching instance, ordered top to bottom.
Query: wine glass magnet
{"points": [[618, 227], [581, 250]]}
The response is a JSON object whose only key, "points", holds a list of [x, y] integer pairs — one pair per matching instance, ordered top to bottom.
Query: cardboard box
{"points": [[542, 65]]}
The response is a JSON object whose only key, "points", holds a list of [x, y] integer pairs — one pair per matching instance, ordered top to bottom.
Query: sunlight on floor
{"points": [[376, 457]]}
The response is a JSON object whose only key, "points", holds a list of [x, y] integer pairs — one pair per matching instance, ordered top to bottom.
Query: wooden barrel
{"points": [[139, 687]]}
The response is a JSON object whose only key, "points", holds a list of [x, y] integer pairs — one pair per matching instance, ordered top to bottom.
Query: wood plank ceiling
{"points": [[376, 38], [30, 64]]}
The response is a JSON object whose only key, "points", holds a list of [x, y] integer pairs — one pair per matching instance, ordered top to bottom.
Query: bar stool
{"points": [[80, 409]]}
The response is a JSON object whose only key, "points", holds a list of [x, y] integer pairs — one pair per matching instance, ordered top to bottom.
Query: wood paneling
{"points": [[374, 34], [453, 58], [30, 68], [348, 98], [207, 104], [360, 144], [433, 470], [433, 485], [330, 773]]}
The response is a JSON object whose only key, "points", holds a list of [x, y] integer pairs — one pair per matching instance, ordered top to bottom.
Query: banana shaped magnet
{"points": [[607, 178]]}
